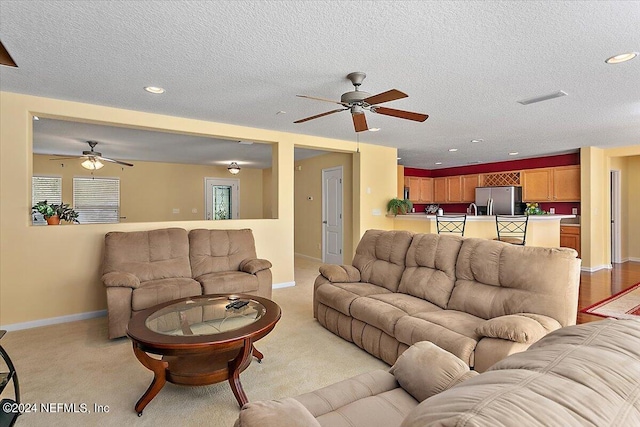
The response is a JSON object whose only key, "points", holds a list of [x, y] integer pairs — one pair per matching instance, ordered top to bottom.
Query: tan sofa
{"points": [[144, 268], [478, 299], [584, 375]]}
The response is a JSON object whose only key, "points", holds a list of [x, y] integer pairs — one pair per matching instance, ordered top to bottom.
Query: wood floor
{"points": [[597, 286]]}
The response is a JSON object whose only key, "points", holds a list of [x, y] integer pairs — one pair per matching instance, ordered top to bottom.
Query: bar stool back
{"points": [[451, 223], [512, 228]]}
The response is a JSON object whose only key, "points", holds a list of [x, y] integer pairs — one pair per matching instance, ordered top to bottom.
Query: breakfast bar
{"points": [[542, 230]]}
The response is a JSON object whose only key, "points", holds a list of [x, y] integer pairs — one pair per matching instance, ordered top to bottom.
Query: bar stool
{"points": [[451, 223], [512, 228]]}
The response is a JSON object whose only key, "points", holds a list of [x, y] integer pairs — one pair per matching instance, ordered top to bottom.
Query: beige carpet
{"points": [[76, 363]]}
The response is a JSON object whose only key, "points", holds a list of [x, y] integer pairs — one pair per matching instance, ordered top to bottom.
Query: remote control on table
{"points": [[237, 304]]}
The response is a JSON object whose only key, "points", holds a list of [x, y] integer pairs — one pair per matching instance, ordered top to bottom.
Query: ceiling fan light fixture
{"points": [[92, 164], [233, 168]]}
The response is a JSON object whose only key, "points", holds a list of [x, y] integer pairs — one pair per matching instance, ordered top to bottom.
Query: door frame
{"points": [[324, 201], [235, 213], [616, 217]]}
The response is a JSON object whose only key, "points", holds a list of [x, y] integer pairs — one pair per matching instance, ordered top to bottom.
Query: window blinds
{"points": [[43, 188], [97, 200]]}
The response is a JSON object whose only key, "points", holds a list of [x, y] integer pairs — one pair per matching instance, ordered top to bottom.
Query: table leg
{"points": [[257, 354], [237, 365], [159, 378]]}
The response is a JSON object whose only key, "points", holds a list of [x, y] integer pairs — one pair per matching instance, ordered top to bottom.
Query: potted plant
{"points": [[398, 206], [55, 213]]}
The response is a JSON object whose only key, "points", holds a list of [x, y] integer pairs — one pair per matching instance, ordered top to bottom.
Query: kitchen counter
{"points": [[542, 230]]}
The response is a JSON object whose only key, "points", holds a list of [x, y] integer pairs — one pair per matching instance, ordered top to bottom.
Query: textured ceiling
{"points": [[466, 64]]}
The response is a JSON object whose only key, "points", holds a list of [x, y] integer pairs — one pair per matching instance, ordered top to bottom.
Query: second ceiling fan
{"points": [[358, 101]]}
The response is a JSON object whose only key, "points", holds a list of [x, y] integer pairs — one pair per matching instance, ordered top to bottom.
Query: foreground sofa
{"points": [[145, 268], [478, 299], [584, 375]]}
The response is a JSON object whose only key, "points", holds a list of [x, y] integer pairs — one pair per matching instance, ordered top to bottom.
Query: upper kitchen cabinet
{"points": [[469, 184], [560, 184], [566, 184], [420, 189], [440, 190]]}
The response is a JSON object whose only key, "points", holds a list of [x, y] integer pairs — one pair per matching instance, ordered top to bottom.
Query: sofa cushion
{"points": [[212, 251], [148, 255], [380, 257], [252, 266], [430, 267], [340, 273], [495, 279], [226, 282], [154, 292], [339, 296], [407, 303], [377, 313], [524, 328], [425, 369], [575, 376], [276, 413]]}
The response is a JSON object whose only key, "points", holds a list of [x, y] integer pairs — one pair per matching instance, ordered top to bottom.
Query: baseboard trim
{"points": [[307, 257], [633, 259], [596, 268], [283, 285], [54, 320]]}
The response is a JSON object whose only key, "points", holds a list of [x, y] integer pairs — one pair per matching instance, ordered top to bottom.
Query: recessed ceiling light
{"points": [[623, 57], [154, 89], [281, 112], [36, 118], [374, 129], [477, 140], [245, 142], [453, 149], [513, 153], [398, 158], [475, 162], [438, 163]]}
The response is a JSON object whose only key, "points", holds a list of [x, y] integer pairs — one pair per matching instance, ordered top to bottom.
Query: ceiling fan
{"points": [[358, 101], [93, 159]]}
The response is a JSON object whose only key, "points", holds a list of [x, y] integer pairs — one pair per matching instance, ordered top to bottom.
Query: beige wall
{"points": [[596, 164], [181, 185], [267, 193], [633, 209], [308, 213], [55, 271]]}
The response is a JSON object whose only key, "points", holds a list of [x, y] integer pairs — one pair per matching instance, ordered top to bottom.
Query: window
{"points": [[47, 188], [97, 200]]}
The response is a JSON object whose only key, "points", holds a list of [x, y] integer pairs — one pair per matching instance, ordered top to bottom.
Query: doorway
{"points": [[221, 198], [332, 229], [616, 234]]}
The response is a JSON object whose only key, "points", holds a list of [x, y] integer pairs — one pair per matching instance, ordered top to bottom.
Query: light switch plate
{"points": [[552, 211], [574, 211]]}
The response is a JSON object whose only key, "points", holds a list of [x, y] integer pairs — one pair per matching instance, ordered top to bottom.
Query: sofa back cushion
{"points": [[213, 251], [148, 255], [380, 257], [430, 267], [496, 278]]}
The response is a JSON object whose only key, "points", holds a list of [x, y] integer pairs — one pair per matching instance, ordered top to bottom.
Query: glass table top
{"points": [[205, 316]]}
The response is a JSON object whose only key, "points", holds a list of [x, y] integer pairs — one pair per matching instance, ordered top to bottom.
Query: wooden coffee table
{"points": [[201, 341]]}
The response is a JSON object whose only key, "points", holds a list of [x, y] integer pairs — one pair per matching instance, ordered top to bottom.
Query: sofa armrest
{"points": [[252, 266], [340, 273], [117, 278], [525, 328], [424, 369], [275, 413]]}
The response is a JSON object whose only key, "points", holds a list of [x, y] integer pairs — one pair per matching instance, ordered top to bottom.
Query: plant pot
{"points": [[53, 220]]}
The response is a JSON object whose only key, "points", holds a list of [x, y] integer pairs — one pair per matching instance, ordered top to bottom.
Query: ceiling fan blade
{"points": [[390, 95], [321, 99], [320, 115], [418, 117], [359, 122], [65, 158], [114, 161]]}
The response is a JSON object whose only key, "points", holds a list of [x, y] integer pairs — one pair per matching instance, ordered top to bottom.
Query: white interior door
{"points": [[221, 198], [332, 215], [616, 235]]}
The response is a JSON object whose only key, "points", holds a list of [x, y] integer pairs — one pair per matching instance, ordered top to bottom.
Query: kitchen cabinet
{"points": [[469, 184], [559, 184], [566, 184], [537, 185], [420, 189], [454, 189], [440, 190], [570, 237]]}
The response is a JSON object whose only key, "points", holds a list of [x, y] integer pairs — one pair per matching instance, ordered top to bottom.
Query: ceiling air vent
{"points": [[557, 94]]}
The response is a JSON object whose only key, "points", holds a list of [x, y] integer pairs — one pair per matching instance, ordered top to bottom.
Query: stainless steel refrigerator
{"points": [[506, 200]]}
